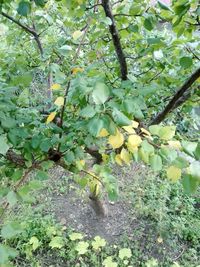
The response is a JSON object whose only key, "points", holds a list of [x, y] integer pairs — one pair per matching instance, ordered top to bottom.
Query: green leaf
{"points": [[40, 2], [163, 6], [24, 8], [148, 24], [64, 50], [186, 62], [100, 93], [87, 112], [120, 118], [8, 123], [95, 125], [154, 129], [167, 132], [3, 145], [147, 147], [189, 147], [197, 152], [156, 162], [180, 163], [194, 169], [41, 175], [190, 184], [12, 198], [10, 230], [76, 236], [34, 242], [56, 242], [98, 242], [82, 247], [6, 253], [125, 253], [108, 262]]}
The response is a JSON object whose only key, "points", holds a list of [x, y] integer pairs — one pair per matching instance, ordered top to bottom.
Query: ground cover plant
{"points": [[88, 85]]}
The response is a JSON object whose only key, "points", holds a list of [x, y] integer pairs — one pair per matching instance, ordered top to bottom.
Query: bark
{"points": [[116, 39], [177, 99]]}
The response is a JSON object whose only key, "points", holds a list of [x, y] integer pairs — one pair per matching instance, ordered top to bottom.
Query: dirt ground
{"points": [[72, 208]]}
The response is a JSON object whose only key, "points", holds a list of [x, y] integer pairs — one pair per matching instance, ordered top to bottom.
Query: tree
{"points": [[112, 72]]}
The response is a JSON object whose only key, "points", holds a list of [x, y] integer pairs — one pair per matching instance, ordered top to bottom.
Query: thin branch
{"points": [[94, 6], [125, 15], [31, 31], [116, 39], [190, 51], [156, 75], [69, 82], [179, 94], [93, 176]]}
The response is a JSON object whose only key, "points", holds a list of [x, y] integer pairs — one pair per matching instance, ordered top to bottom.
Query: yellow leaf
{"points": [[76, 35], [76, 70], [55, 86], [59, 101], [50, 117], [135, 124], [129, 129], [145, 131], [103, 133], [116, 140], [134, 140], [175, 144], [132, 149], [125, 156], [118, 159], [173, 173], [159, 240]]}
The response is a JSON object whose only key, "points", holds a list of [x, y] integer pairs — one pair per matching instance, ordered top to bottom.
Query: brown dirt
{"points": [[73, 209]]}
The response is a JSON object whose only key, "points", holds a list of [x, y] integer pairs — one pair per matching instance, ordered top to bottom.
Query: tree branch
{"points": [[31, 31], [116, 39], [178, 95]]}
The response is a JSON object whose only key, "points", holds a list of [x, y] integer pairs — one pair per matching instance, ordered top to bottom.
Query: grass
{"points": [[167, 232]]}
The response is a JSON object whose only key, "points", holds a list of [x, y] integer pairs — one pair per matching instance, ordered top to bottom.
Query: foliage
{"points": [[91, 99]]}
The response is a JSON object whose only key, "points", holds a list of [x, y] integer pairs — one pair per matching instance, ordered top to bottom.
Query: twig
{"points": [[32, 31], [93, 175]]}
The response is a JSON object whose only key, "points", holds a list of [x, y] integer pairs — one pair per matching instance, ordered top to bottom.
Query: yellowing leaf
{"points": [[77, 34], [76, 70], [55, 86], [59, 101], [51, 117], [135, 124], [129, 129], [145, 131], [103, 133], [117, 140], [134, 140], [175, 144], [132, 149], [125, 156], [105, 157], [118, 159], [173, 173], [159, 240]]}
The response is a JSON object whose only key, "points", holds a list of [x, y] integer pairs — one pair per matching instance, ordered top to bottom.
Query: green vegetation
{"points": [[88, 86]]}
